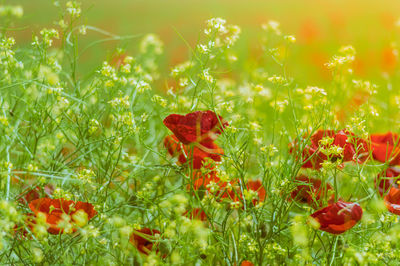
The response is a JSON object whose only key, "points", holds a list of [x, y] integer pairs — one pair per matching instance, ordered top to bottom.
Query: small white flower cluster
{"points": [[74, 9], [12, 11], [216, 25], [273, 27], [221, 34], [47, 38], [290, 38], [151, 43], [345, 57], [8, 62], [180, 69], [108, 71], [110, 75], [206, 76], [277, 80], [365, 85], [142, 86], [311, 90], [55, 91], [263, 91], [313, 96], [159, 100], [122, 102], [280, 105], [94, 125], [358, 125], [270, 150], [333, 150], [86, 175], [248, 243], [273, 250]]}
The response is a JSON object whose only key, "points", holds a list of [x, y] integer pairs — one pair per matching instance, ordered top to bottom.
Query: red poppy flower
{"points": [[199, 126], [386, 148], [197, 153], [313, 157], [386, 179], [202, 180], [256, 185], [221, 190], [310, 191], [31, 194], [392, 200], [55, 208], [196, 213], [338, 217], [30, 221], [143, 240], [246, 263]]}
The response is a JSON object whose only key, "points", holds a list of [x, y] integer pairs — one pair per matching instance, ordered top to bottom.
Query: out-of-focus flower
{"points": [[390, 56], [211, 183], [310, 191], [37, 192], [56, 209], [196, 213], [29, 222], [144, 240]]}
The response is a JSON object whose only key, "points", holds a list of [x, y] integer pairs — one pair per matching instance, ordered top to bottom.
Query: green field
{"points": [[199, 132]]}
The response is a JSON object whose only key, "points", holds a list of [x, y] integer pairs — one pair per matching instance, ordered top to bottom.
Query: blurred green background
{"points": [[320, 27]]}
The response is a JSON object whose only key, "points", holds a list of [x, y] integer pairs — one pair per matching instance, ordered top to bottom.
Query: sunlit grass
{"points": [[95, 141]]}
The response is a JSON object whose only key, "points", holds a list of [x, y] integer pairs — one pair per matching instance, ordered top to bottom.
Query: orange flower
{"points": [[309, 31], [389, 59], [392, 200], [55, 208], [143, 240]]}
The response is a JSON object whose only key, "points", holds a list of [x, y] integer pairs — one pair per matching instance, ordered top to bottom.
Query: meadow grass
{"points": [[97, 137]]}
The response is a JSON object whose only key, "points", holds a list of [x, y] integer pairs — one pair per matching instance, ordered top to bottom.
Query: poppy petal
{"points": [[199, 126], [54, 209], [338, 217]]}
